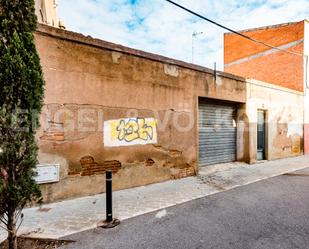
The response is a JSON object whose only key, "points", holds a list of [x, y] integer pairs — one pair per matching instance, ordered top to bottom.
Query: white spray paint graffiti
{"points": [[130, 131]]}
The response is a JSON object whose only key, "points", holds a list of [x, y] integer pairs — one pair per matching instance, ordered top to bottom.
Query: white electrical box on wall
{"points": [[47, 173]]}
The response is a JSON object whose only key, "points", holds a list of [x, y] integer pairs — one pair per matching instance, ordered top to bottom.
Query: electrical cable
{"points": [[231, 30]]}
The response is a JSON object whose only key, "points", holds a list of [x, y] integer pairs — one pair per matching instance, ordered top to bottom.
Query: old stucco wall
{"points": [[89, 82], [284, 121]]}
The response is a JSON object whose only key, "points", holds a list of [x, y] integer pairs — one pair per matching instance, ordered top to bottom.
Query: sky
{"points": [[158, 27]]}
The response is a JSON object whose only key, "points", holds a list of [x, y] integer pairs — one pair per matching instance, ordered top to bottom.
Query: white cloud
{"points": [[159, 27]]}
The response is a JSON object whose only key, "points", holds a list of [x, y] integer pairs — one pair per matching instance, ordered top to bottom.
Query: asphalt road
{"points": [[272, 214]]}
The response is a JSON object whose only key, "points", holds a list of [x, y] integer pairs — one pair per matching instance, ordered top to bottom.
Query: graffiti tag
{"points": [[134, 129], [130, 131]]}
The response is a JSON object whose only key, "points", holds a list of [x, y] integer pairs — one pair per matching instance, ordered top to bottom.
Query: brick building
{"points": [[252, 60], [149, 118]]}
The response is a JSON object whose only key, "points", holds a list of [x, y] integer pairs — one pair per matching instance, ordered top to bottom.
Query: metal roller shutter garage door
{"points": [[217, 132]]}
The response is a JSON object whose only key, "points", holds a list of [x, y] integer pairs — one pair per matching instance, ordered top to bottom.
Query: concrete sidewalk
{"points": [[64, 218]]}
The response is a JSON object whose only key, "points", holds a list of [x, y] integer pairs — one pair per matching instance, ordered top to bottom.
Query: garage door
{"points": [[217, 132]]}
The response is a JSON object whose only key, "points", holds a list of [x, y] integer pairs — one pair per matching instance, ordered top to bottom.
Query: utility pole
{"points": [[194, 34]]}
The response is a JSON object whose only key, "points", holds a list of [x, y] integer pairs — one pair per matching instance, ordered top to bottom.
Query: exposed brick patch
{"points": [[54, 132], [53, 136], [86, 160], [149, 162], [112, 165], [90, 167], [73, 173], [181, 173]]}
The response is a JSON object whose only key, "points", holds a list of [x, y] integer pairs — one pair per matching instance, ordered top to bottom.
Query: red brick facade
{"points": [[251, 60]]}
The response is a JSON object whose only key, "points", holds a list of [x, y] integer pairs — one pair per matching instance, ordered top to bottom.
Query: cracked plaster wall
{"points": [[104, 85]]}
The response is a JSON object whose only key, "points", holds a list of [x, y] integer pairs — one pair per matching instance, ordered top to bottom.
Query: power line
{"points": [[233, 31]]}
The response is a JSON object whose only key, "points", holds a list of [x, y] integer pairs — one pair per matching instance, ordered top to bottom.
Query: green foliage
{"points": [[21, 100]]}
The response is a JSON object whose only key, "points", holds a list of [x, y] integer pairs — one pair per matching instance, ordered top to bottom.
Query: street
{"points": [[272, 214]]}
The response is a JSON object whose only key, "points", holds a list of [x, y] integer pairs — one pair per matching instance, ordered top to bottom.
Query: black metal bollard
{"points": [[109, 196], [109, 222]]}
